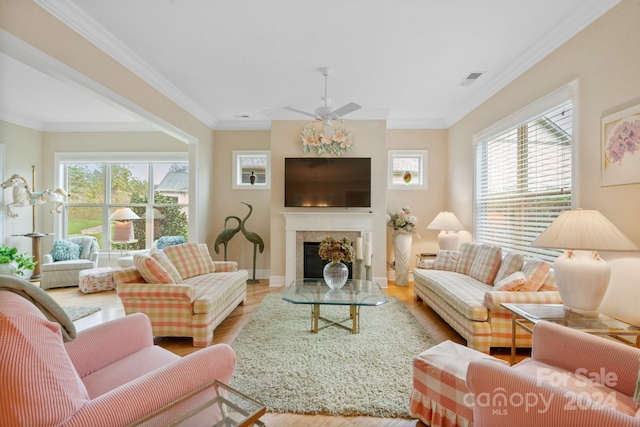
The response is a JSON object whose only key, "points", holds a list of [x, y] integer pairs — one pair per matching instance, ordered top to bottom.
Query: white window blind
{"points": [[523, 180]]}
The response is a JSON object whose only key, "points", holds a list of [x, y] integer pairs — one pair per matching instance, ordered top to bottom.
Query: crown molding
{"points": [[79, 21], [573, 24], [29, 55], [21, 121], [400, 123], [243, 125], [98, 127]]}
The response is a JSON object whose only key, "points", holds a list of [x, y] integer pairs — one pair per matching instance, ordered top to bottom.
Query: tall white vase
{"points": [[402, 251]]}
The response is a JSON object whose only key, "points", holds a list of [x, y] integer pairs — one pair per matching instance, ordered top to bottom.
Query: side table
{"points": [[526, 316]]}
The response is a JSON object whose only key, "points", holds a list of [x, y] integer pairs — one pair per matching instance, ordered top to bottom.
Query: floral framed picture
{"points": [[620, 139]]}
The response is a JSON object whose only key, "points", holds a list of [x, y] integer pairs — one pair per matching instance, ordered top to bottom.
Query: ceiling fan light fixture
{"points": [[328, 129]]}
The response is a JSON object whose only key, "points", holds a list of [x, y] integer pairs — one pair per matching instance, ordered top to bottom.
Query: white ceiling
{"points": [[224, 59]]}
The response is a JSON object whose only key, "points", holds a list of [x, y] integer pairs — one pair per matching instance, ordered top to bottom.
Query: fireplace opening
{"points": [[313, 264]]}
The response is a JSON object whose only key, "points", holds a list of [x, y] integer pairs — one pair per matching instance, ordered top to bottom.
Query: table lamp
{"points": [[449, 224], [123, 227], [582, 276]]}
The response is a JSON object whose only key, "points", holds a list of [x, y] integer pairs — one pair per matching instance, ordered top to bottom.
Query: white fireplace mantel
{"points": [[319, 221]]}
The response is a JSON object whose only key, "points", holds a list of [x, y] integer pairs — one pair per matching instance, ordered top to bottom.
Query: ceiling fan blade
{"points": [[345, 109], [295, 110]]}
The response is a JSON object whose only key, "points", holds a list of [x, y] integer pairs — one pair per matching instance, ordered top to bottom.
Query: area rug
{"points": [[76, 313], [289, 369]]}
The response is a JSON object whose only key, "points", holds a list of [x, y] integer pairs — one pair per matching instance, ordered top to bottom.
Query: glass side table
{"points": [[526, 316], [232, 408]]}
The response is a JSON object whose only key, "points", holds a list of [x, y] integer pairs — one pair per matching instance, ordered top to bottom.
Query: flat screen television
{"points": [[327, 182]]}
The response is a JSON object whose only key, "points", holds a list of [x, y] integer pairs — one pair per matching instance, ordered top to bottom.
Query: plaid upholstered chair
{"points": [[61, 267], [109, 375]]}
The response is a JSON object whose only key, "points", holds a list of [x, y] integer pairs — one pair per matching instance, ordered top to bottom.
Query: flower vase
{"points": [[402, 250], [335, 274]]}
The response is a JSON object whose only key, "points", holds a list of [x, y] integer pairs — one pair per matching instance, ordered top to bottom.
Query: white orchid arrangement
{"points": [[315, 140]]}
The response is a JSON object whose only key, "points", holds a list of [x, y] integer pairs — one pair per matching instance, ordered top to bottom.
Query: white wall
{"points": [[602, 58]]}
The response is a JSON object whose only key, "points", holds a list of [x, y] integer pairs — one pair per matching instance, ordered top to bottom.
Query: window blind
{"points": [[523, 180]]}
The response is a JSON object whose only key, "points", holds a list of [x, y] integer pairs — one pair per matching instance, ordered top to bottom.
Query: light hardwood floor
{"points": [[233, 324]]}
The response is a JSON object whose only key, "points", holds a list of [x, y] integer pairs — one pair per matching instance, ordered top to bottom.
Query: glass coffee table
{"points": [[355, 294], [527, 315], [215, 401]]}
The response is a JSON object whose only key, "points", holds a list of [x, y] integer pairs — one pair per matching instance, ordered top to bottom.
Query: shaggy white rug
{"points": [[289, 369]]}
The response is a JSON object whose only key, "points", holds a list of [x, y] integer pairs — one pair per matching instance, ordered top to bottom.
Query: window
{"points": [[251, 170], [407, 170], [523, 174], [154, 187]]}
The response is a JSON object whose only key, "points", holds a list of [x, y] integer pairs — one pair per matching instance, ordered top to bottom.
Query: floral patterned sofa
{"points": [[467, 287], [182, 290]]}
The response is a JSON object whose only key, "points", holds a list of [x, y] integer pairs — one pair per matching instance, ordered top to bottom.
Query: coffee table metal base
{"points": [[354, 316]]}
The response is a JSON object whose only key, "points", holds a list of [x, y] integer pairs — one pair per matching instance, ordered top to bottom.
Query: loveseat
{"points": [[466, 289], [182, 290]]}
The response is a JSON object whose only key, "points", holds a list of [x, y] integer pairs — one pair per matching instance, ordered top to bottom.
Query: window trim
{"points": [[568, 92], [236, 177], [423, 183], [60, 226]]}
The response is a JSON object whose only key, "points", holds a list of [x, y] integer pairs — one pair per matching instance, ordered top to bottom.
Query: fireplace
{"points": [[313, 227], [313, 264]]}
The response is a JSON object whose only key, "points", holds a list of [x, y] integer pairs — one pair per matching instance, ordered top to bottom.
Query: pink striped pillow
{"points": [[468, 253], [188, 259], [446, 260], [151, 270], [536, 272]]}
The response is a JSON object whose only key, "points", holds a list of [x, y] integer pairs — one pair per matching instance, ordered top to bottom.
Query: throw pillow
{"points": [[165, 241], [64, 250], [468, 252], [207, 257], [188, 259], [446, 260], [164, 261], [511, 263], [486, 264], [151, 270], [536, 272], [513, 282]]}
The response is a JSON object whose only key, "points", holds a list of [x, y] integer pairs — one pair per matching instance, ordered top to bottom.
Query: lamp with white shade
{"points": [[448, 223], [123, 227], [581, 275]]}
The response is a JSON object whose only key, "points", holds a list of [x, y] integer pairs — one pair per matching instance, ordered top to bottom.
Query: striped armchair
{"points": [[110, 375], [572, 379]]}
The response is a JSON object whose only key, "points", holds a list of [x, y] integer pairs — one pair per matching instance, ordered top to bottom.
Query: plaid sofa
{"points": [[189, 300], [470, 305]]}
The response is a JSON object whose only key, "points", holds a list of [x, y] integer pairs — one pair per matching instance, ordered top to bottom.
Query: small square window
{"points": [[251, 170], [407, 170]]}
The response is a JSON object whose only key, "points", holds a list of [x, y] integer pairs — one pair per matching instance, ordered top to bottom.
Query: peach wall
{"points": [[602, 58], [225, 202]]}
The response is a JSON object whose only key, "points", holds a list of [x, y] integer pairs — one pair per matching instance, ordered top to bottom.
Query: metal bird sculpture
{"points": [[226, 235], [253, 238]]}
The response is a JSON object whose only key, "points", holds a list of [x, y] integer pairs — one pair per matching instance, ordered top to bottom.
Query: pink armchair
{"points": [[110, 375], [571, 379]]}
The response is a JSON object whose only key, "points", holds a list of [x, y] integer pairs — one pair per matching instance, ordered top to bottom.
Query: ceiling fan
{"points": [[326, 113]]}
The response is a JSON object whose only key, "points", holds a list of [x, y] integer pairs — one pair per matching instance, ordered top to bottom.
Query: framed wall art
{"points": [[620, 142]]}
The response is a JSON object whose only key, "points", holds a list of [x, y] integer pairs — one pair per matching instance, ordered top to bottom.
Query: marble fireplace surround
{"points": [[303, 227]]}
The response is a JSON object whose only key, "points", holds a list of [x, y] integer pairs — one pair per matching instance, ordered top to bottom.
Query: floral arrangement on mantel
{"points": [[315, 140], [402, 221], [336, 250]]}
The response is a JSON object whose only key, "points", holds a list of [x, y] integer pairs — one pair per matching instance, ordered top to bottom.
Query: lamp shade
{"points": [[123, 214], [445, 221], [583, 229]]}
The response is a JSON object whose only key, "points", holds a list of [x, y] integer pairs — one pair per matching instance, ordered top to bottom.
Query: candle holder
{"points": [[357, 269], [368, 273]]}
